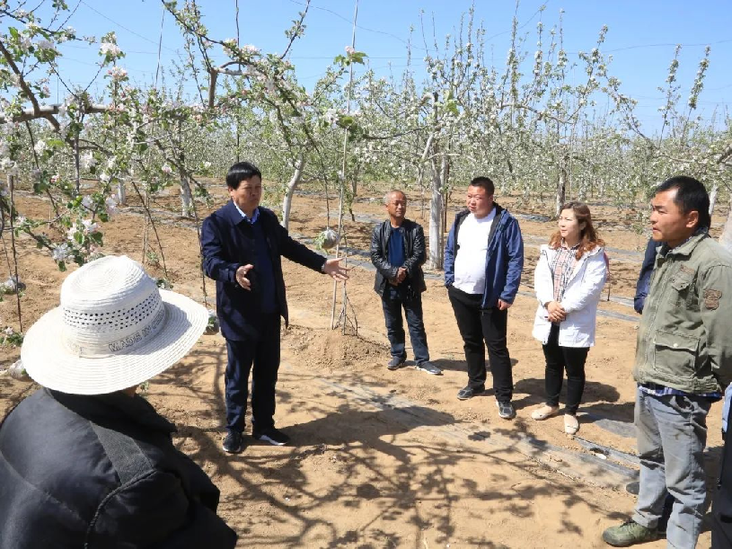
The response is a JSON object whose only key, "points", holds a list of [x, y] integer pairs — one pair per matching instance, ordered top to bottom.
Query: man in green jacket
{"points": [[683, 363]]}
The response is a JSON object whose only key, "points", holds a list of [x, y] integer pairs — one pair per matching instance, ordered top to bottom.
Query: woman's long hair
{"points": [[588, 237]]}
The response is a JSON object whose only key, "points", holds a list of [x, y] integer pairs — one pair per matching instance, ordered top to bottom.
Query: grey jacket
{"points": [[684, 335]]}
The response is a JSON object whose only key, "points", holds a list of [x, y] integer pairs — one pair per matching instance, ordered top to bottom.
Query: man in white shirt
{"points": [[484, 257]]}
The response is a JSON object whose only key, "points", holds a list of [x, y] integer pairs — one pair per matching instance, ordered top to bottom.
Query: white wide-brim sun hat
{"points": [[113, 330]]}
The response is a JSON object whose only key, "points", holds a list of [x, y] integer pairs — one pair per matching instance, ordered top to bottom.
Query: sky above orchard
{"points": [[642, 37]]}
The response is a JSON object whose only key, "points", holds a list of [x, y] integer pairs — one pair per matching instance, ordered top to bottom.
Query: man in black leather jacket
{"points": [[398, 253]]}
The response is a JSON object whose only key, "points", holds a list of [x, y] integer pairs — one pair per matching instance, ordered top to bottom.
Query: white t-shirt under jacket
{"points": [[472, 249]]}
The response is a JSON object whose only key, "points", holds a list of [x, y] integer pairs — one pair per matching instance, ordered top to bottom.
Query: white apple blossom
{"points": [[25, 44], [45, 45], [228, 46], [110, 49], [250, 49], [350, 50], [117, 73], [331, 116], [40, 146], [87, 160], [166, 169], [87, 202], [111, 205], [90, 227], [61, 252]]}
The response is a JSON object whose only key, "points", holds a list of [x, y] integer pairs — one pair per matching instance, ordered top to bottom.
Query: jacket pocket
{"points": [[681, 282], [675, 355]]}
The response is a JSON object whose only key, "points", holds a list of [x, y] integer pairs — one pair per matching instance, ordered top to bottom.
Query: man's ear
{"points": [[692, 219]]}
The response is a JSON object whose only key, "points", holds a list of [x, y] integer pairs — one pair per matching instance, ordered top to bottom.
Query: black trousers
{"points": [[481, 328], [262, 351], [557, 359]]}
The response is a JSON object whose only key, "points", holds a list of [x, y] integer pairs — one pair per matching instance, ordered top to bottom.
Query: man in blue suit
{"points": [[242, 245]]}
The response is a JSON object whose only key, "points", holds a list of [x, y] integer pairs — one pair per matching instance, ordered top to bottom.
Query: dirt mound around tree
{"points": [[331, 349]]}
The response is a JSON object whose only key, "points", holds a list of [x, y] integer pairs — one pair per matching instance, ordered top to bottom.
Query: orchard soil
{"points": [[381, 458]]}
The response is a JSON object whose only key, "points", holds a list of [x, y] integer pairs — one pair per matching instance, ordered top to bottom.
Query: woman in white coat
{"points": [[568, 280]]}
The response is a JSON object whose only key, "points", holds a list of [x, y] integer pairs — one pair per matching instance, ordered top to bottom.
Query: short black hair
{"points": [[241, 171], [484, 182], [691, 196]]}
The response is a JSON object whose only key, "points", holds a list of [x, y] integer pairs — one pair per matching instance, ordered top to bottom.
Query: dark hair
{"points": [[241, 171], [484, 182], [691, 196], [588, 236]]}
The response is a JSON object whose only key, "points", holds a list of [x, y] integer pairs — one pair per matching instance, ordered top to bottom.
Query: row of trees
{"points": [[531, 123]]}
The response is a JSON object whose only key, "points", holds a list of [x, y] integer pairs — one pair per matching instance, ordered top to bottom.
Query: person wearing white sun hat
{"points": [[84, 461]]}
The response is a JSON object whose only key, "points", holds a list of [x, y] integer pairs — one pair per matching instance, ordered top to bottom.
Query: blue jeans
{"points": [[393, 300], [672, 434]]}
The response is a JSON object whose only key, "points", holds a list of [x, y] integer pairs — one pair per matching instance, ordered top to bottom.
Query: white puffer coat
{"points": [[580, 298]]}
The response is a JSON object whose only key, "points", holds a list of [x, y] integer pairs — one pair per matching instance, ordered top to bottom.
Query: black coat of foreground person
{"points": [[84, 461]]}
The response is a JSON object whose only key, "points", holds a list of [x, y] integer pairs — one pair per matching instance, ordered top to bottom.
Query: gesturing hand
{"points": [[332, 267], [241, 276]]}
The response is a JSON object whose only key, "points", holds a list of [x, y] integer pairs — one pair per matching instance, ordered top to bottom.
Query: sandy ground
{"points": [[391, 459]]}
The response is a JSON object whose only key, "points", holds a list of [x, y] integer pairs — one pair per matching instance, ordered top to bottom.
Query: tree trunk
{"points": [[445, 170], [291, 186], [561, 190], [121, 192], [713, 198], [186, 199], [726, 237], [436, 253]]}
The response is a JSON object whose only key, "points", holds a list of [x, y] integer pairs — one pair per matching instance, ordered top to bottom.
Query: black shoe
{"points": [[395, 363], [428, 367], [469, 392], [506, 409], [273, 436], [233, 443]]}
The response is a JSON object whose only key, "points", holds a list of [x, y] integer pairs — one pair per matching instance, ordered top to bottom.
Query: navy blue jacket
{"points": [[227, 243], [504, 260], [644, 277], [101, 472]]}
